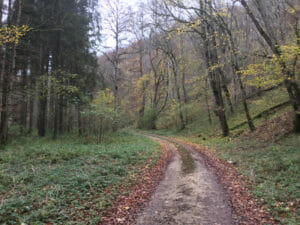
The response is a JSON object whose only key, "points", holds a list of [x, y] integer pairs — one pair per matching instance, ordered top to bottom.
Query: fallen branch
{"points": [[263, 113]]}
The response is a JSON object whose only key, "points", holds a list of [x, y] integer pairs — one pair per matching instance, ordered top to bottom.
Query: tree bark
{"points": [[8, 69], [215, 83], [177, 89], [227, 94], [42, 95], [207, 104], [23, 111], [79, 120]]}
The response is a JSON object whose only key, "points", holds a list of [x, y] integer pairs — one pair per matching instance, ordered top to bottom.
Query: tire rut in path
{"points": [[187, 199]]}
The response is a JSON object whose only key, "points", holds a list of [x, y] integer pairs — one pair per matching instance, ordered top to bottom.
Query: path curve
{"points": [[196, 198]]}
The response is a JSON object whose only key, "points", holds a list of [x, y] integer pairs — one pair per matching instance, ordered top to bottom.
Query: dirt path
{"points": [[187, 199]]}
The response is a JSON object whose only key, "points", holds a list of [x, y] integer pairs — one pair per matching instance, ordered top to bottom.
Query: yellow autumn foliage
{"points": [[12, 34], [270, 72], [104, 98]]}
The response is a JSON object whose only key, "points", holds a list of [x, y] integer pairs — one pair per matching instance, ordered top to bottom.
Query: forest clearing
{"points": [[153, 112]]}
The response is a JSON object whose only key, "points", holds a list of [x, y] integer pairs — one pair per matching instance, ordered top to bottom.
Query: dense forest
{"points": [[166, 57], [49, 67], [92, 71]]}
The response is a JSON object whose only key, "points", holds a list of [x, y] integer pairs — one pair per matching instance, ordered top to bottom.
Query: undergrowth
{"points": [[69, 180]]}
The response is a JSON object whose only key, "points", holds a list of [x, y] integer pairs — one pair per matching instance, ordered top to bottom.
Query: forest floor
{"points": [[71, 180]]}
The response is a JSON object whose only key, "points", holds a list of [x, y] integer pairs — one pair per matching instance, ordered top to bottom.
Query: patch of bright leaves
{"points": [[12, 34]]}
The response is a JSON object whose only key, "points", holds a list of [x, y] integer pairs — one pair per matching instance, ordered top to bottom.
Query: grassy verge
{"points": [[188, 163], [69, 180]]}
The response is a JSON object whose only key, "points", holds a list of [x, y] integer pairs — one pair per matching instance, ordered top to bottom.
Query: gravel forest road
{"points": [[194, 198]]}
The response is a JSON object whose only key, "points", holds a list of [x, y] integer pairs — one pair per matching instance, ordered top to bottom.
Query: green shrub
{"points": [[148, 121]]}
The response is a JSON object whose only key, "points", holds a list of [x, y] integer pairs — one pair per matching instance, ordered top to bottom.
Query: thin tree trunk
{"points": [[211, 56], [2, 60], [8, 72], [215, 83], [291, 86], [227, 94], [42, 96], [185, 99], [31, 103], [207, 104], [4, 107], [61, 115], [23, 116], [249, 119], [55, 120], [79, 120], [182, 122]]}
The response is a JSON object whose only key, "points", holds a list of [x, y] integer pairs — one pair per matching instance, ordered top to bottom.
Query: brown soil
{"points": [[272, 130], [187, 199], [247, 210]]}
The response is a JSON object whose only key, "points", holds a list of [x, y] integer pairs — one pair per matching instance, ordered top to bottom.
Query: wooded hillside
{"points": [[210, 54]]}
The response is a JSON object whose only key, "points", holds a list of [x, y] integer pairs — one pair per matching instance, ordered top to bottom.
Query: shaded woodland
{"points": [[167, 57]]}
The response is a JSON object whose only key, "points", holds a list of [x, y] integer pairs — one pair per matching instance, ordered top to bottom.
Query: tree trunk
{"points": [[211, 56], [141, 67], [8, 70], [215, 83], [291, 86], [227, 94], [32, 95], [185, 98], [207, 104], [42, 106], [4, 107], [220, 111], [42, 113], [61, 115], [23, 116], [55, 120], [249, 120], [79, 121], [182, 122]]}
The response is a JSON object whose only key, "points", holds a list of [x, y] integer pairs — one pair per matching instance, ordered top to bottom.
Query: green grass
{"points": [[188, 163], [68, 180]]}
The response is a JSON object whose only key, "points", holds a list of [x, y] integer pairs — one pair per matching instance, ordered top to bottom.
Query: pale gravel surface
{"points": [[187, 199]]}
